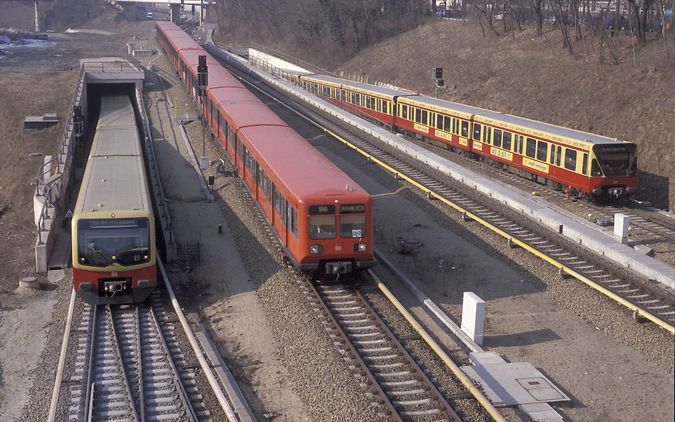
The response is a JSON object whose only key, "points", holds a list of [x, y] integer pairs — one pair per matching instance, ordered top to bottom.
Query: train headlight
{"points": [[361, 247], [315, 249]]}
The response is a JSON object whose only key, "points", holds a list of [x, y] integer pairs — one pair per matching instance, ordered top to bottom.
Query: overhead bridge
{"points": [[174, 6], [58, 176]]}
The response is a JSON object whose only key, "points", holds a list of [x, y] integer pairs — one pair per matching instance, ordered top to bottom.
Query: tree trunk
{"points": [[536, 6]]}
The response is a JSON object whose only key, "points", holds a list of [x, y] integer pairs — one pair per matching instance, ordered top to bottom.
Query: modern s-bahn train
{"points": [[593, 165], [322, 218], [113, 229]]}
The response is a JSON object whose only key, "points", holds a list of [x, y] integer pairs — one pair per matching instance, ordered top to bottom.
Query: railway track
{"points": [[644, 226], [644, 301], [127, 365], [404, 389]]}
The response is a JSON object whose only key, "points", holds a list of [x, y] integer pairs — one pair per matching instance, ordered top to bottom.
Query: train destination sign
{"points": [[321, 209], [352, 209]]}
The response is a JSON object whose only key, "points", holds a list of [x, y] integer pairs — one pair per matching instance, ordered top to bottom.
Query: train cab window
{"points": [[465, 128], [476, 132], [497, 138], [506, 144], [531, 148], [542, 150], [570, 159], [584, 165], [595, 169], [352, 221], [321, 222], [103, 242]]}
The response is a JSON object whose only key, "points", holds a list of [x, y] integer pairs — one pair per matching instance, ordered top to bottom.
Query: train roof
{"points": [[218, 75], [357, 86], [435, 104], [242, 108], [544, 130], [306, 173], [114, 179]]}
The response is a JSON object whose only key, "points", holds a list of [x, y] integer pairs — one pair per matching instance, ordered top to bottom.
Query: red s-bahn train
{"points": [[593, 165], [321, 217]]}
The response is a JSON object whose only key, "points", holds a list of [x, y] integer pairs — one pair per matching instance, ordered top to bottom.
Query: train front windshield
{"points": [[614, 160], [103, 242]]}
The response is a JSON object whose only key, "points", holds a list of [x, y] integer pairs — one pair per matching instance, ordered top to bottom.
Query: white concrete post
{"points": [[621, 222], [473, 316]]}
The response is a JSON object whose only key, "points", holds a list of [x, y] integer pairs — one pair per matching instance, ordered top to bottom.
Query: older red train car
{"points": [[322, 218]]}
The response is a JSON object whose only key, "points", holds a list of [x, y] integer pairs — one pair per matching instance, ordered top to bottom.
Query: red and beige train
{"points": [[594, 165], [322, 218], [113, 229]]}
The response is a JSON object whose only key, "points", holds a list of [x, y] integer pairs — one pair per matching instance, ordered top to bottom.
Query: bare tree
{"points": [[537, 7], [641, 11]]}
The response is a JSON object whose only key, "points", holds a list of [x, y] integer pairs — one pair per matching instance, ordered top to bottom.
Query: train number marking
{"points": [[535, 165]]}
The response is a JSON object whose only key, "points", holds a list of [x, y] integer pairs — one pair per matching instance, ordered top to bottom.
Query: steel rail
{"points": [[432, 194], [355, 354], [213, 382], [56, 391], [475, 391]]}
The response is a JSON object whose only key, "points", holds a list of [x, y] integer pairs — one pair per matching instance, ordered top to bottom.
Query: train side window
{"points": [[353, 98], [385, 107], [404, 111], [418, 115], [425, 117], [220, 121], [439, 121], [446, 123], [455, 126], [465, 128], [476, 132], [486, 134], [231, 135], [497, 138], [507, 141], [531, 148], [542, 150], [552, 155], [558, 155], [570, 159], [584, 165], [294, 221]]}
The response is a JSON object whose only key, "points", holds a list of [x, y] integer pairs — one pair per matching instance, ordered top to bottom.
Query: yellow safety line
{"points": [[653, 318], [478, 395]]}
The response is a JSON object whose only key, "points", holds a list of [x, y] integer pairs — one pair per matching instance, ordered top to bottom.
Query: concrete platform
{"points": [[548, 215]]}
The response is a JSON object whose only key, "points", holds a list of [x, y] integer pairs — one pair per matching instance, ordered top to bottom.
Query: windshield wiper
{"points": [[106, 260]]}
